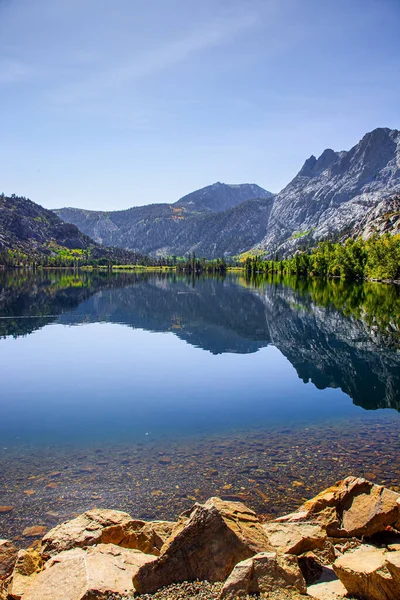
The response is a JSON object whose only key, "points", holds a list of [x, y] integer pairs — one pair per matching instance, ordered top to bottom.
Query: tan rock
{"points": [[352, 507], [397, 524], [110, 527], [86, 530], [35, 531], [146, 536], [295, 538], [206, 546], [394, 547], [327, 554], [8, 557], [29, 563], [103, 571], [263, 573], [370, 573], [328, 587]]}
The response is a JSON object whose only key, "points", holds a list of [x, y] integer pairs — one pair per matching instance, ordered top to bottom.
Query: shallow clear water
{"points": [[145, 392]]}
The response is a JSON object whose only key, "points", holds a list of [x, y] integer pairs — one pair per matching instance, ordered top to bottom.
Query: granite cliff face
{"points": [[338, 195]]}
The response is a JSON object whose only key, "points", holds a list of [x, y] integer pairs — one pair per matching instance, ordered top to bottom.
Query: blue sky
{"points": [[113, 104]]}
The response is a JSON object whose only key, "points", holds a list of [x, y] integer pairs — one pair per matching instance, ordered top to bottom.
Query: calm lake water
{"points": [[146, 392]]}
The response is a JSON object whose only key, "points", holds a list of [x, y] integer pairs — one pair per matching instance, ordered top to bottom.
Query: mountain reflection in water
{"points": [[335, 334]]}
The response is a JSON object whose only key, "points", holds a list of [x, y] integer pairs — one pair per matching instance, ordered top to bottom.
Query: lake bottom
{"points": [[272, 470]]}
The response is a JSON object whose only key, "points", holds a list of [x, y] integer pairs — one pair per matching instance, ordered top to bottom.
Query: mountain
{"points": [[334, 193], [337, 195], [221, 196], [216, 220], [28, 227], [31, 229]]}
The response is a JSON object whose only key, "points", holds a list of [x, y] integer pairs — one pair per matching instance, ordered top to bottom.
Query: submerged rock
{"points": [[353, 507], [206, 546], [104, 571], [263, 573], [370, 573]]}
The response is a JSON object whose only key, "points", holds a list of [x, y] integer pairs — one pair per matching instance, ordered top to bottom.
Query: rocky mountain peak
{"points": [[314, 166], [219, 197]]}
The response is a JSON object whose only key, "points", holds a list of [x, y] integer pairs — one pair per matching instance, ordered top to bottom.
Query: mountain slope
{"points": [[334, 192], [337, 195], [221, 196], [194, 222], [27, 226], [30, 229]]}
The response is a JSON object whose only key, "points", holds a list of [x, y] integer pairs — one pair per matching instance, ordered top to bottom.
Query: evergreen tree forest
{"points": [[375, 258]]}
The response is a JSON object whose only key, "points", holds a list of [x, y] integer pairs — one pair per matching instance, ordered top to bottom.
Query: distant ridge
{"points": [[338, 194], [221, 196], [192, 224]]}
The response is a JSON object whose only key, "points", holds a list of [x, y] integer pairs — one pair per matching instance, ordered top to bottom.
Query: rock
{"points": [[353, 507], [6, 509], [397, 524], [109, 527], [85, 530], [35, 531], [146, 536], [295, 538], [206, 546], [394, 547], [327, 554], [8, 557], [29, 563], [310, 566], [100, 572], [263, 573], [370, 573], [328, 586]]}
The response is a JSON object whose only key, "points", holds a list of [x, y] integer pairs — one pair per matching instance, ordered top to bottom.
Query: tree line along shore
{"points": [[376, 258]]}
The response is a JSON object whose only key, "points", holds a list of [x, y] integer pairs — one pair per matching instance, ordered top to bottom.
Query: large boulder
{"points": [[352, 507], [110, 527], [146, 536], [295, 538], [206, 546], [8, 557], [29, 563], [100, 572], [263, 573], [370, 573]]}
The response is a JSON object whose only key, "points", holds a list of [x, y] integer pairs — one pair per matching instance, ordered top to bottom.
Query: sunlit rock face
{"points": [[332, 194], [339, 194]]}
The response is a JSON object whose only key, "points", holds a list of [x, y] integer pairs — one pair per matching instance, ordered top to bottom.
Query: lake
{"points": [[148, 392]]}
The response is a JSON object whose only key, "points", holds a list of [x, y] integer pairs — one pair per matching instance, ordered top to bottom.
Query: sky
{"points": [[107, 105]]}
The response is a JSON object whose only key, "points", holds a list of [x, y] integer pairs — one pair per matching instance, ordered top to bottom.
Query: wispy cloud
{"points": [[156, 60], [15, 71]]}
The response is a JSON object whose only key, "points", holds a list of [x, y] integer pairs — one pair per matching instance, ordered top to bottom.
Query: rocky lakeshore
{"points": [[343, 543]]}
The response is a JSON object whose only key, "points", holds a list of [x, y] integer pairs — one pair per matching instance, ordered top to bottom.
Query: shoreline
{"points": [[167, 269], [350, 530]]}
